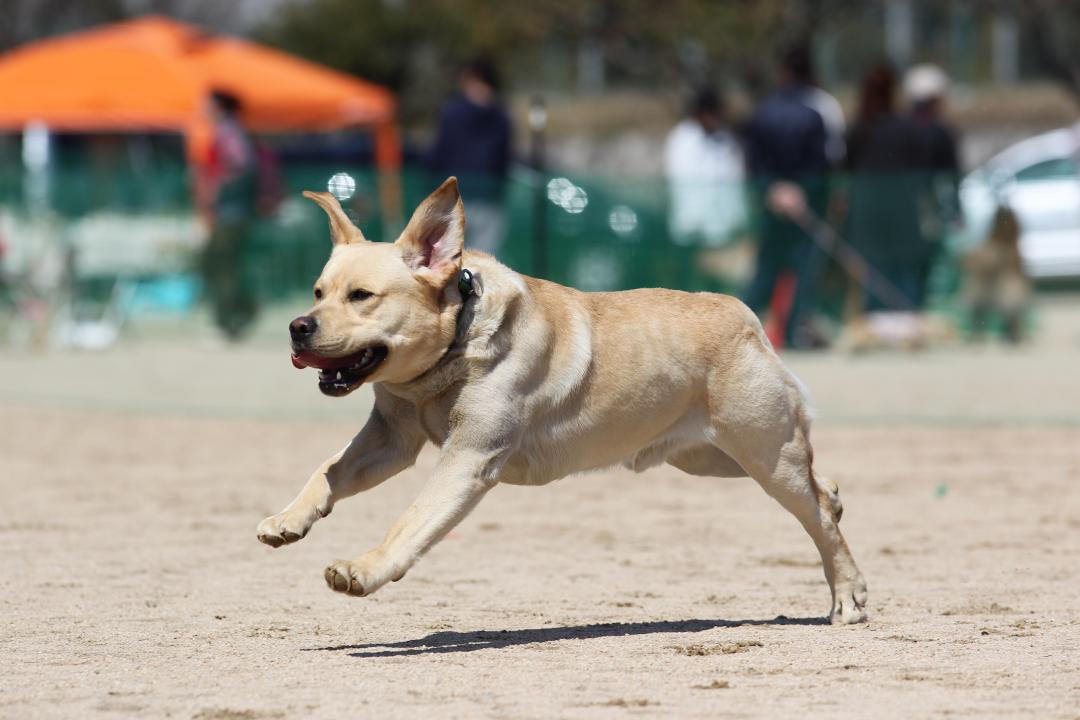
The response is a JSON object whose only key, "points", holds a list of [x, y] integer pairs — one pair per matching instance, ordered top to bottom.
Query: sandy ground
{"points": [[131, 483]]}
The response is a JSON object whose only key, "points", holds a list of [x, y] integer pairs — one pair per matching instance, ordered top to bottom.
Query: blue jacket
{"points": [[786, 138], [473, 142]]}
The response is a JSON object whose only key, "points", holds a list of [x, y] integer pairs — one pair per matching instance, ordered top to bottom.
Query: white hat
{"points": [[925, 82]]}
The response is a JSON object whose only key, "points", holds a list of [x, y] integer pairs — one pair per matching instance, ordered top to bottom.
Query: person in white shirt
{"points": [[703, 164]]}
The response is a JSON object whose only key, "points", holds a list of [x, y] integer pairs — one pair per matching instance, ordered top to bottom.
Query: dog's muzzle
{"points": [[341, 375]]}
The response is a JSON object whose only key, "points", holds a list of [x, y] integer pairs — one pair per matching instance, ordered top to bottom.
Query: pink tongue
{"points": [[306, 359]]}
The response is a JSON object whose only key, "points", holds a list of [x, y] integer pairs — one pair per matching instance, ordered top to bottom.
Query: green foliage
{"points": [[25, 20], [1051, 28], [368, 38], [415, 46]]}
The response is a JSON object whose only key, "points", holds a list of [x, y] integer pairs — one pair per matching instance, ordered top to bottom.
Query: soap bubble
{"points": [[342, 186], [567, 195], [623, 220]]}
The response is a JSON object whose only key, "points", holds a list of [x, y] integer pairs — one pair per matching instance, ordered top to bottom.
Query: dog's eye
{"points": [[318, 294], [357, 295]]}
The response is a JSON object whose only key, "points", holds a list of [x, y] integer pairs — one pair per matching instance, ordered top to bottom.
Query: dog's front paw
{"points": [[282, 529], [355, 577], [849, 602]]}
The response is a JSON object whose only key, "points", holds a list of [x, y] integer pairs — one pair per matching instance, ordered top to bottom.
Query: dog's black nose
{"points": [[303, 327]]}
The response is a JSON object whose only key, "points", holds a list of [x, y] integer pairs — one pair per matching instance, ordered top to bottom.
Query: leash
{"points": [[854, 263]]}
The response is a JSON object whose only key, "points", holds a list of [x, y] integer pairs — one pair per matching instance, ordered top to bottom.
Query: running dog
{"points": [[523, 381]]}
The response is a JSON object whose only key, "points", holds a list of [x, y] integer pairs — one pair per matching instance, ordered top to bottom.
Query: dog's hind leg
{"points": [[759, 416], [774, 449], [785, 472]]}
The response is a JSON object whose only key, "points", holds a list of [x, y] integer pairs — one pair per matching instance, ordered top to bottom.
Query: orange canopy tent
{"points": [[154, 73]]}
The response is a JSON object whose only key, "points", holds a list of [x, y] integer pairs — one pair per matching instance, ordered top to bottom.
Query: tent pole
{"points": [[388, 162]]}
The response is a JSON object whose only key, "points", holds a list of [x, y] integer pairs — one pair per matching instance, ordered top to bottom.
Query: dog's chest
{"points": [[434, 418]]}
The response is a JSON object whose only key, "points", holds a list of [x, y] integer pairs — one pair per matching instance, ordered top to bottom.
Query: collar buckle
{"points": [[467, 284]]}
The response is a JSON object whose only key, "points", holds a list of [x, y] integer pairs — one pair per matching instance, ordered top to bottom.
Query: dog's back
{"points": [[630, 377]]}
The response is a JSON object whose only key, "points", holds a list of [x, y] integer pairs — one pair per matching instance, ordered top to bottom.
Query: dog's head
{"points": [[380, 313]]}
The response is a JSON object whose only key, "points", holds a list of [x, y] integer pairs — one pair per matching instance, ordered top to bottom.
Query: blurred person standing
{"points": [[926, 88], [473, 143], [788, 162], [703, 164], [887, 189], [228, 193]]}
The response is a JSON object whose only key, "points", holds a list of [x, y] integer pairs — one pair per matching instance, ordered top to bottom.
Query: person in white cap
{"points": [[926, 88], [703, 163]]}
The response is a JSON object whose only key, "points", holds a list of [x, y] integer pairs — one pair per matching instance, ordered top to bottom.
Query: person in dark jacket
{"points": [[786, 142], [473, 143], [887, 192]]}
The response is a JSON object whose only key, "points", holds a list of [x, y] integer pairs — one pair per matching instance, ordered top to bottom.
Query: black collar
{"points": [[469, 286]]}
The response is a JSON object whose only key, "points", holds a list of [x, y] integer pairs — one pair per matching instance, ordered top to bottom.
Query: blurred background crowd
{"points": [[891, 173]]}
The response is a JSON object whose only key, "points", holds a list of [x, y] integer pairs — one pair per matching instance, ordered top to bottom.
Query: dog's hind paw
{"points": [[849, 603]]}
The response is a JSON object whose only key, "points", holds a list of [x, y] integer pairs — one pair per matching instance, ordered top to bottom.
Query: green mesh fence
{"points": [[594, 233]]}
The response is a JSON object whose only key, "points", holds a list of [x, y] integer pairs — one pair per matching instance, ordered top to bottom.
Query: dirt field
{"points": [[131, 484]]}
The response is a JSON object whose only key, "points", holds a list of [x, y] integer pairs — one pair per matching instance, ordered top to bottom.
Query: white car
{"points": [[1039, 178]]}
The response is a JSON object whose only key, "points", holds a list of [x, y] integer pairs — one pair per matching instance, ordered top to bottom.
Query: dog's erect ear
{"points": [[342, 230], [431, 243]]}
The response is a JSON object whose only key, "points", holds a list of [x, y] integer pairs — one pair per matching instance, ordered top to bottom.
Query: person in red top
{"points": [[228, 192]]}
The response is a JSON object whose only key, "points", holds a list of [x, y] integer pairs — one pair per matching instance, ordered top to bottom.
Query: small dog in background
{"points": [[994, 279]]}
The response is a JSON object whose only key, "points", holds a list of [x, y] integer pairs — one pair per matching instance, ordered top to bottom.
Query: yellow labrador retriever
{"points": [[523, 381]]}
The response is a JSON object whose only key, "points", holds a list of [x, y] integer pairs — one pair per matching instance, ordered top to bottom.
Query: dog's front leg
{"points": [[378, 452], [461, 479]]}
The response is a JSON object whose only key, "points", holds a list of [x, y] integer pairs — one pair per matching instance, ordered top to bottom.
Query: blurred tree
{"points": [[227, 17], [25, 20], [1051, 28], [368, 38], [415, 46]]}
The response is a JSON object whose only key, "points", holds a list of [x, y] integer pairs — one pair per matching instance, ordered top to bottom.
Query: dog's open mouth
{"points": [[341, 375]]}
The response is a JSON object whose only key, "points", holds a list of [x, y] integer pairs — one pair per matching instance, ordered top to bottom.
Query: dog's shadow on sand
{"points": [[458, 642]]}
